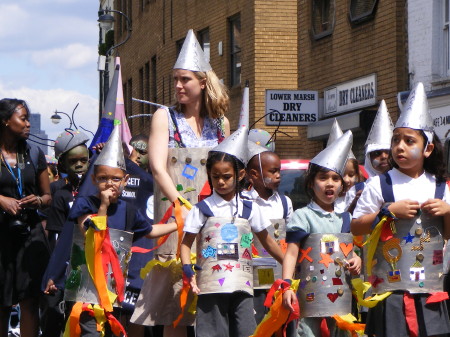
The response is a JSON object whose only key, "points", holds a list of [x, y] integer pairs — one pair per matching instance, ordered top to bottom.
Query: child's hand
{"points": [[106, 196], [435, 207], [404, 209], [354, 265], [193, 283], [51, 288], [289, 298]]}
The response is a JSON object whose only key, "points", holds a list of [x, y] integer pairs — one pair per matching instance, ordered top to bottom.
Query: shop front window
{"points": [[323, 17], [446, 38], [203, 39], [235, 50]]}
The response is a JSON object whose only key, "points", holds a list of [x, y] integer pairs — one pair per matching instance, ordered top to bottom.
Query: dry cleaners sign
{"points": [[351, 95], [291, 107]]}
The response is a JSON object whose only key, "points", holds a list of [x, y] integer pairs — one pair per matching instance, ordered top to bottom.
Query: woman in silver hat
{"points": [[183, 133]]}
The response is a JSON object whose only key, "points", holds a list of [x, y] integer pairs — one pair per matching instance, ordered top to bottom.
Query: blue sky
{"points": [[48, 56]]}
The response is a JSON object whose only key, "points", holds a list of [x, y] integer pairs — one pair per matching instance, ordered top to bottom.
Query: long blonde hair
{"points": [[215, 96]]}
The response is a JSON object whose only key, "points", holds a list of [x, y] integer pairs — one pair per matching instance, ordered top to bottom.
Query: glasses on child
{"points": [[105, 180]]}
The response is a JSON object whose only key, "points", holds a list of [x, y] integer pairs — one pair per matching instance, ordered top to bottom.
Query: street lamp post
{"points": [[106, 21], [56, 118]]}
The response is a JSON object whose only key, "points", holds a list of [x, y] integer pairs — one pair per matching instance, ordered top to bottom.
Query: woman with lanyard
{"points": [[180, 138], [24, 188]]}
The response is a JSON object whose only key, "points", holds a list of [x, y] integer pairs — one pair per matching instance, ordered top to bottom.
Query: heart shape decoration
{"points": [[346, 248], [332, 296]]}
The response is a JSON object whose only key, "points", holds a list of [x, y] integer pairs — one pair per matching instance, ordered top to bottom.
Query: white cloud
{"points": [[72, 56], [46, 102]]}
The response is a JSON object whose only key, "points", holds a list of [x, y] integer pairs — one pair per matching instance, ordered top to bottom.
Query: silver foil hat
{"points": [[191, 56], [245, 109], [415, 113], [381, 130], [335, 133], [261, 137], [67, 140], [236, 145], [255, 149], [112, 153], [334, 156]]}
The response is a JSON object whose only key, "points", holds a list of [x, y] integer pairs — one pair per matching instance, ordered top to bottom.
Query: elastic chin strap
{"points": [[260, 169]]}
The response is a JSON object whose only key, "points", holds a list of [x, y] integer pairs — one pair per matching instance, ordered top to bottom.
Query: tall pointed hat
{"points": [[191, 56], [415, 113], [244, 118], [335, 133], [379, 137], [262, 138], [236, 145], [255, 149], [112, 153], [334, 156]]}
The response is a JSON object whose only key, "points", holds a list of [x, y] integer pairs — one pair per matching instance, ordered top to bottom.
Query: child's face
{"points": [[408, 150], [379, 160], [76, 161], [271, 166], [51, 176], [350, 176], [110, 178], [223, 179], [326, 188]]}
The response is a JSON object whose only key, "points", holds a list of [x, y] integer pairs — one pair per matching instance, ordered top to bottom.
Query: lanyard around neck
{"points": [[18, 179]]}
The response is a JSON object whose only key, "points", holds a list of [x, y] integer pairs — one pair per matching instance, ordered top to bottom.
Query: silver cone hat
{"points": [[191, 56], [245, 109], [415, 113], [381, 131], [335, 133], [261, 137], [69, 139], [236, 145], [255, 149], [112, 153], [334, 156]]}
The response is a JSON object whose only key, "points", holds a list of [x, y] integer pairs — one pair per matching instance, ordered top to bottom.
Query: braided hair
{"points": [[214, 157]]}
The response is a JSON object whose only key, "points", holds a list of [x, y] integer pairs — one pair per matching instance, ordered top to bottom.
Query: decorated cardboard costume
{"points": [[404, 256]]}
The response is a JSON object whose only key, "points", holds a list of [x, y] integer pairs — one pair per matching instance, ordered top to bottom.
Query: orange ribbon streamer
{"points": [[110, 257], [438, 296], [183, 299], [410, 314], [278, 315], [352, 327]]}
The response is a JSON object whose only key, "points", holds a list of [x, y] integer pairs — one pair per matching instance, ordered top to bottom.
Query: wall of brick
{"points": [[277, 53]]}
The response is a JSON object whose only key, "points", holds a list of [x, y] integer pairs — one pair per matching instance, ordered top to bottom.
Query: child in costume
{"points": [[378, 146], [263, 171], [324, 183], [406, 211], [96, 217], [223, 225]]}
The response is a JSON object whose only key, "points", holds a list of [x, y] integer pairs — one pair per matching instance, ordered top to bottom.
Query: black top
{"points": [[30, 181], [57, 185], [61, 202]]}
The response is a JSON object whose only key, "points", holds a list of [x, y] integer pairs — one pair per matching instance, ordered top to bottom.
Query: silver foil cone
{"points": [[191, 56], [415, 113], [381, 130], [335, 133], [236, 145], [255, 149], [112, 153], [334, 156]]}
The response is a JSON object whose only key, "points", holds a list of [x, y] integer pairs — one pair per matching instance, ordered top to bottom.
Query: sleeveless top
{"points": [[182, 135]]}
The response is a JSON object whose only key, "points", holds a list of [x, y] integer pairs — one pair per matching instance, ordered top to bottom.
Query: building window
{"points": [[362, 10], [323, 17], [203, 39], [446, 41], [179, 45], [235, 50], [147, 86], [142, 90], [129, 102]]}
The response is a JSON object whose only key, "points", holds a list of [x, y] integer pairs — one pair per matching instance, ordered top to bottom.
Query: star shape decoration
{"points": [[208, 238], [408, 238], [326, 259], [228, 266]]}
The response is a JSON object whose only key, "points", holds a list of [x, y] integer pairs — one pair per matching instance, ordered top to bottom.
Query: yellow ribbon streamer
{"points": [[372, 242], [360, 288], [347, 322]]}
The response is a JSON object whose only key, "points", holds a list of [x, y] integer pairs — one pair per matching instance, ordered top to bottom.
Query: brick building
{"points": [[283, 45]]}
